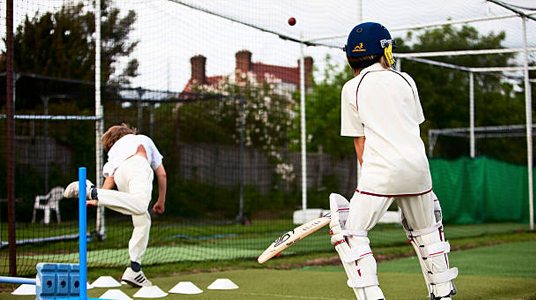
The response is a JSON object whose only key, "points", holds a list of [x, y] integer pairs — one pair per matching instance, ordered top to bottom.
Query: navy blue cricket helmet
{"points": [[368, 39]]}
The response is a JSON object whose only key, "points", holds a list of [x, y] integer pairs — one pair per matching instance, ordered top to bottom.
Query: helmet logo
{"points": [[359, 48]]}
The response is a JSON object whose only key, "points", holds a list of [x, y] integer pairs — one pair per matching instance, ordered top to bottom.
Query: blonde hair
{"points": [[368, 60], [114, 133]]}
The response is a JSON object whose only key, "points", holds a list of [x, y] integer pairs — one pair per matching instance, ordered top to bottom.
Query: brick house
{"points": [[289, 76]]}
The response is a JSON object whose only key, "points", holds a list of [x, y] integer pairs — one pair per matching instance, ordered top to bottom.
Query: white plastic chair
{"points": [[48, 202]]}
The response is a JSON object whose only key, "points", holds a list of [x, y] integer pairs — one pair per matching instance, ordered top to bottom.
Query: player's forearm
{"points": [[359, 144], [161, 177], [109, 183], [162, 186]]}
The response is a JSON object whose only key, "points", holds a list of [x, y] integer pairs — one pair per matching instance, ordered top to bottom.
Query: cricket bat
{"points": [[291, 237]]}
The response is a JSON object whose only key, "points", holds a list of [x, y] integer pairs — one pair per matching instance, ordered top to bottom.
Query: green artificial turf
{"points": [[508, 260], [500, 272], [297, 284]]}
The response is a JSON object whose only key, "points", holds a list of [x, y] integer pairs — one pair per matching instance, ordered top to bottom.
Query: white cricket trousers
{"points": [[134, 181], [366, 211]]}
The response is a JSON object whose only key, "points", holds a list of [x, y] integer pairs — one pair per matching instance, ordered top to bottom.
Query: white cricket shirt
{"points": [[384, 107], [127, 146]]}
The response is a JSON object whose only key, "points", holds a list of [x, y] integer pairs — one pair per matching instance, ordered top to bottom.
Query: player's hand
{"points": [[93, 203], [159, 207]]}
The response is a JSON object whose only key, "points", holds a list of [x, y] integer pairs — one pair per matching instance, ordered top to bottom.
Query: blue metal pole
{"points": [[82, 229], [17, 280]]}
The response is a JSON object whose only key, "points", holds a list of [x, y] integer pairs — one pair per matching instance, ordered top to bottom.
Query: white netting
{"points": [[169, 34]]}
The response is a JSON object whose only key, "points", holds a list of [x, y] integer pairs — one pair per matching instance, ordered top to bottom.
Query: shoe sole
{"points": [[134, 283]]}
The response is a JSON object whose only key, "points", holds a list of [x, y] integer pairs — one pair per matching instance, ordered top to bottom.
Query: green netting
{"points": [[481, 190]]}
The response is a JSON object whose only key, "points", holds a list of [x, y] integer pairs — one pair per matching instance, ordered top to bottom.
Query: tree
{"points": [[62, 44], [59, 47], [444, 92], [266, 111], [323, 113]]}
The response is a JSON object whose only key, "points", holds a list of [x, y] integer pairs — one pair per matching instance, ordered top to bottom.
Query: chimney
{"points": [[243, 61], [198, 70], [308, 70]]}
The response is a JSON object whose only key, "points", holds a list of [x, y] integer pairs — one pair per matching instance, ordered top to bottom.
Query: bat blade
{"points": [[293, 236]]}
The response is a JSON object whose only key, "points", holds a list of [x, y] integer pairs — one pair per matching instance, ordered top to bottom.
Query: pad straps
{"points": [[413, 233], [436, 249], [356, 253], [443, 277], [363, 281]]}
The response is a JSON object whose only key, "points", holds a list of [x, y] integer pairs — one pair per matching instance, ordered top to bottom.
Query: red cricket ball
{"points": [[291, 21]]}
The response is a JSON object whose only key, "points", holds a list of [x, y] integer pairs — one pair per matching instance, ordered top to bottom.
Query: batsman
{"points": [[381, 110]]}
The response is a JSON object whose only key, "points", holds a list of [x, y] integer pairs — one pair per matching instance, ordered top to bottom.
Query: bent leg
{"points": [[134, 180], [122, 202]]}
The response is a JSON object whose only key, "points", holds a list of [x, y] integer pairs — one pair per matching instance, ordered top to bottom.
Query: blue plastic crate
{"points": [[56, 281]]}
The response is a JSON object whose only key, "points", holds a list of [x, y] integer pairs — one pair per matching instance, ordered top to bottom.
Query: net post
{"points": [[528, 115], [99, 122], [303, 129], [10, 144], [472, 152], [82, 229]]}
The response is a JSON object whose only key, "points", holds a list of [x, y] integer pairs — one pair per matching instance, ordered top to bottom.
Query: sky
{"points": [[170, 33]]}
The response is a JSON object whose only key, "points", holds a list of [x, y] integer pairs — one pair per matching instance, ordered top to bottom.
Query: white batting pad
{"points": [[432, 254], [105, 282], [222, 284], [185, 287], [24, 289], [150, 292], [115, 294]]}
